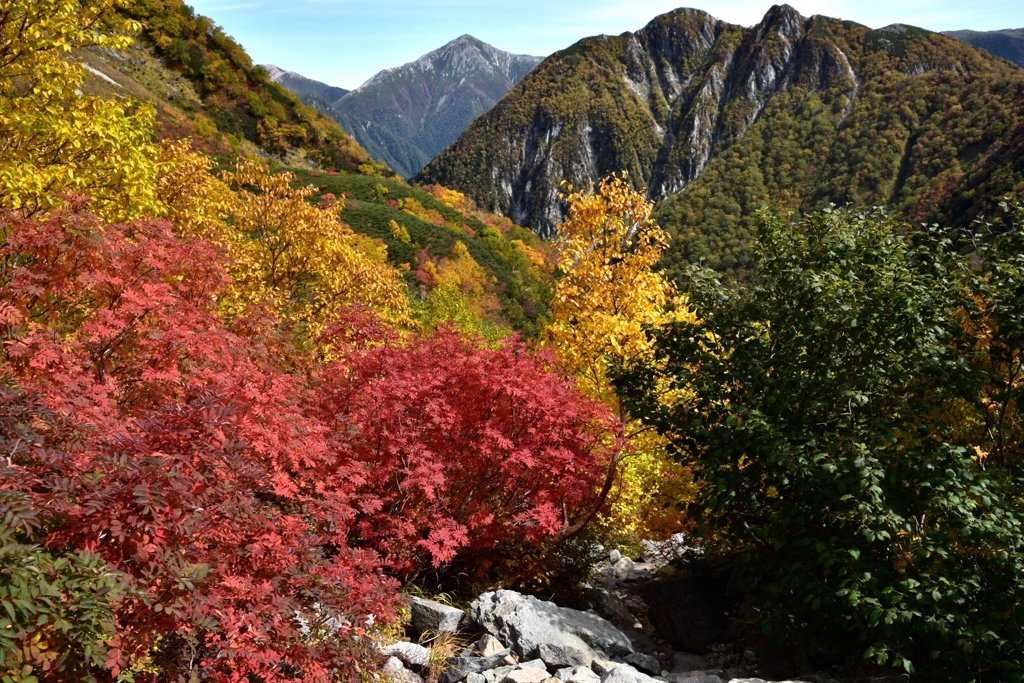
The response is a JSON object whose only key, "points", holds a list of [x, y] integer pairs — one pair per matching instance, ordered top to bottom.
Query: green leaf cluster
{"points": [[837, 412]]}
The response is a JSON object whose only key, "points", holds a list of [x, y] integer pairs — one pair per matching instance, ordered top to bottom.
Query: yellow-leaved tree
{"points": [[53, 139], [297, 258], [300, 258], [607, 294]]}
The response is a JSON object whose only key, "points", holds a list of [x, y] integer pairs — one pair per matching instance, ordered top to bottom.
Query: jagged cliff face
{"points": [[793, 112], [407, 115]]}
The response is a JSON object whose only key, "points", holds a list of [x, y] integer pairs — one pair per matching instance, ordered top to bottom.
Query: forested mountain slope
{"points": [[1007, 43], [203, 85], [719, 120]]}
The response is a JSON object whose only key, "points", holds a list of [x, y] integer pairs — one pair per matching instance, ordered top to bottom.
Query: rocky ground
{"points": [[642, 627]]}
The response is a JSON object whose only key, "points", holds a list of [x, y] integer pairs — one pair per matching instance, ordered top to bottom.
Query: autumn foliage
{"points": [[224, 442], [173, 449], [466, 449], [244, 508]]}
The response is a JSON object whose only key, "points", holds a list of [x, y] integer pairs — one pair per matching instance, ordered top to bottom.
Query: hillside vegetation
{"points": [[1007, 43], [242, 406]]}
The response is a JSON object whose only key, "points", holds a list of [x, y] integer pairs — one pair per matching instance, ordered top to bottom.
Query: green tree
{"points": [[829, 416]]}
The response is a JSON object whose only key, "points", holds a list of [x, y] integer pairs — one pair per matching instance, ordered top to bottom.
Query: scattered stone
{"points": [[660, 553], [614, 556], [623, 568], [428, 615], [524, 622], [488, 646], [412, 655], [557, 656], [509, 660], [467, 663], [645, 663], [533, 664], [602, 666], [396, 672], [624, 673], [577, 674], [495, 675], [528, 675], [476, 678]]}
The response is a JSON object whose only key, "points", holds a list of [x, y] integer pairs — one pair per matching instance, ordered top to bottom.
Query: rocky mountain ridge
{"points": [[310, 91], [796, 112]]}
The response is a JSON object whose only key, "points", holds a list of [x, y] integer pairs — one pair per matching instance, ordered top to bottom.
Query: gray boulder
{"points": [[610, 606], [428, 615], [524, 622], [488, 645], [412, 655], [560, 656], [467, 663], [645, 663], [533, 664], [396, 672], [624, 673], [577, 674], [495, 675], [527, 675]]}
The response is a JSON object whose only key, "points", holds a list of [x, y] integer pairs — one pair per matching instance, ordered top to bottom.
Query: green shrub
{"points": [[834, 413]]}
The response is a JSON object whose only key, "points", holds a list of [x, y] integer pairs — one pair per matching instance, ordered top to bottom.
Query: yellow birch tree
{"points": [[607, 294]]}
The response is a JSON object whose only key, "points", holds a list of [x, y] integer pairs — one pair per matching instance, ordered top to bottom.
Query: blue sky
{"points": [[344, 42]]}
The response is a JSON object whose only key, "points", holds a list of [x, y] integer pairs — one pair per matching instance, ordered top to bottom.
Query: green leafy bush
{"points": [[833, 411]]}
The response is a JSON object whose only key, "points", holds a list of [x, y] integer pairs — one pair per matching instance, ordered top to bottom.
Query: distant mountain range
{"points": [[1008, 43], [314, 93], [406, 115], [718, 121]]}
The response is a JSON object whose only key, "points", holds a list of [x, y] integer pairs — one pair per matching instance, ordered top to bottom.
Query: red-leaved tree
{"points": [[466, 448], [174, 449]]}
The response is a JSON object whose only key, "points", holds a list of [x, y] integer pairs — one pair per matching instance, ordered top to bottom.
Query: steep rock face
{"points": [[405, 116], [717, 121]]}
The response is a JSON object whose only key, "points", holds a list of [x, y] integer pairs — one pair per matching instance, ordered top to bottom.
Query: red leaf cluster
{"points": [[171, 446], [465, 448], [255, 508]]}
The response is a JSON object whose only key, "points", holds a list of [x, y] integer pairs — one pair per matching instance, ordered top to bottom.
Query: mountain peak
{"points": [[406, 115]]}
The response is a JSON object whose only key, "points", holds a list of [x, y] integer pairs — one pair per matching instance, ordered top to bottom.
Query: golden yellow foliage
{"points": [[53, 139], [283, 251], [300, 258], [609, 291], [607, 295]]}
